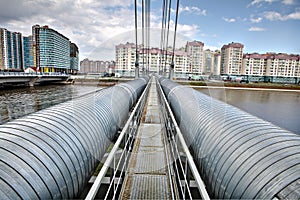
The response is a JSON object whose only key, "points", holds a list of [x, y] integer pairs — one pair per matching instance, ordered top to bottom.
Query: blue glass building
{"points": [[51, 50], [11, 51], [28, 52], [74, 58]]}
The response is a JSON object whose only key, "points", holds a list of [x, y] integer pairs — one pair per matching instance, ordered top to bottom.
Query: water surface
{"points": [[16, 103], [281, 108]]}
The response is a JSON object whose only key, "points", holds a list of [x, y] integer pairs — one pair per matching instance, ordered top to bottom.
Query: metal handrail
{"points": [[32, 74], [130, 130], [175, 134]]}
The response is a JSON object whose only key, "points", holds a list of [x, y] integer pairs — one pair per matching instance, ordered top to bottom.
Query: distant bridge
{"points": [[30, 79]]}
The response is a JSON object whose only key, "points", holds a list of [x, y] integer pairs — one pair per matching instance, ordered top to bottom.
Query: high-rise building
{"points": [[51, 50], [194, 50], [11, 51], [28, 52], [125, 57], [74, 58], [231, 58], [211, 62], [217, 63], [96, 67]]}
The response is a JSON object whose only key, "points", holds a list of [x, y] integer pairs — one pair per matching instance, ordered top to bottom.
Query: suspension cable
{"points": [[148, 19], [143, 34], [146, 34], [162, 36], [167, 40], [174, 41], [136, 42]]}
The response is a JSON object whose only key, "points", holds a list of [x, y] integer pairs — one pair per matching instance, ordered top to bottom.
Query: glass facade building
{"points": [[51, 50], [11, 51], [28, 54], [74, 58]]}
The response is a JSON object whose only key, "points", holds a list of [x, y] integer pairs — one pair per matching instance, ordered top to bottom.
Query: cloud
{"points": [[259, 2], [288, 2], [191, 10], [275, 16], [230, 20], [256, 20], [88, 23], [256, 29], [188, 30]]}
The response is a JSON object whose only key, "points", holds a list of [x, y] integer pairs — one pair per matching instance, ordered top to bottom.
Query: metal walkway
{"points": [[150, 159], [147, 175]]}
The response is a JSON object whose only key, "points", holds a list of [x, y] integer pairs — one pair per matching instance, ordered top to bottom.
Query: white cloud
{"points": [[259, 2], [288, 2], [192, 10], [274, 16], [230, 20], [256, 20], [88, 23], [256, 29], [188, 30]]}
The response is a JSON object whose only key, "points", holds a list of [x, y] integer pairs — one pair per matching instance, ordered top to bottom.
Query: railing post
{"points": [[187, 175]]}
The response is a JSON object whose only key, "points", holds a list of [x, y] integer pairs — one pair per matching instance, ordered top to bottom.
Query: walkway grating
{"points": [[147, 175]]}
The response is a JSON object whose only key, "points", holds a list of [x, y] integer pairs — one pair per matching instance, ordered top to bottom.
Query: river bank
{"points": [[102, 81], [272, 86]]}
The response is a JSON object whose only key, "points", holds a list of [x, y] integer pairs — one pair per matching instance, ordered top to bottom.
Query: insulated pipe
{"points": [[52, 153], [238, 155]]}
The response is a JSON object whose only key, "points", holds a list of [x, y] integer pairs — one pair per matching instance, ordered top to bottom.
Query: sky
{"points": [[96, 26]]}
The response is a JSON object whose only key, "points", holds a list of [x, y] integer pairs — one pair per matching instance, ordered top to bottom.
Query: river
{"points": [[16, 103], [281, 108]]}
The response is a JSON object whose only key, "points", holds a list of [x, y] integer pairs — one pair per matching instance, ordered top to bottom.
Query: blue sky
{"points": [[94, 25], [261, 25]]}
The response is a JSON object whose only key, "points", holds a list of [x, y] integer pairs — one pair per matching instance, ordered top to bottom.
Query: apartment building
{"points": [[11, 50], [194, 50], [125, 57], [232, 58], [186, 60], [181, 61], [211, 62], [254, 64], [271, 64], [96, 66]]}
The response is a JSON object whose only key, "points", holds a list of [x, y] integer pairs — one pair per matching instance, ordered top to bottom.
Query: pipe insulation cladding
{"points": [[51, 154], [238, 155]]}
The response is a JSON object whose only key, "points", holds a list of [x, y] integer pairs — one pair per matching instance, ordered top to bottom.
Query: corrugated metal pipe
{"points": [[52, 153], [238, 155]]}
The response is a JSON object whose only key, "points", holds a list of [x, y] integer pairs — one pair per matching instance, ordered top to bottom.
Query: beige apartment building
{"points": [[194, 50], [125, 57], [232, 58], [186, 60], [211, 62], [254, 64], [271, 64], [96, 66]]}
